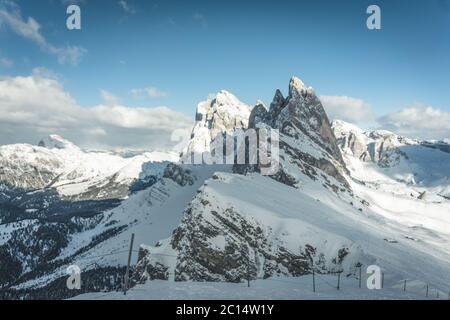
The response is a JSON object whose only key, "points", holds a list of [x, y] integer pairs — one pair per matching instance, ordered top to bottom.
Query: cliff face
{"points": [[219, 115], [308, 146], [246, 223]]}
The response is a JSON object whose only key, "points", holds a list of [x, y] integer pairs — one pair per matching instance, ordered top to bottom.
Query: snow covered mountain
{"points": [[220, 114], [385, 160], [75, 174], [341, 197], [54, 198], [313, 213]]}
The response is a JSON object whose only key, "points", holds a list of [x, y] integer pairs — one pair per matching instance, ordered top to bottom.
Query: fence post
{"points": [[360, 267], [248, 269], [127, 274], [382, 280], [314, 281], [339, 281], [404, 286]]}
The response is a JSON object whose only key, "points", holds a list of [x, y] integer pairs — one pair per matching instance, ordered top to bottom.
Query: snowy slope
{"points": [[386, 160], [58, 163], [404, 181], [314, 213], [151, 214], [290, 220], [299, 288]]}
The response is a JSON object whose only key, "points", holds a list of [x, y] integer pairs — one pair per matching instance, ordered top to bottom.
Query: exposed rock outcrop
{"points": [[307, 141]]}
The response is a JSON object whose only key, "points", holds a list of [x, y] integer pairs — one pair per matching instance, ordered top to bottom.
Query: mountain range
{"points": [[342, 198]]}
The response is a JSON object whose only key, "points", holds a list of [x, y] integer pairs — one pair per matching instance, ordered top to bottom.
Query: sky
{"points": [[136, 70]]}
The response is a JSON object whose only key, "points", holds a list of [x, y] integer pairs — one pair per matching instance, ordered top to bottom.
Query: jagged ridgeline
{"points": [[219, 233]]}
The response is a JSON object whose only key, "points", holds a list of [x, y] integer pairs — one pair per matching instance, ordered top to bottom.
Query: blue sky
{"points": [[184, 50]]}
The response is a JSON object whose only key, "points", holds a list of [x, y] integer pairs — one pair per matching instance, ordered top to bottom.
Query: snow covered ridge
{"points": [[384, 158], [59, 164], [315, 213]]}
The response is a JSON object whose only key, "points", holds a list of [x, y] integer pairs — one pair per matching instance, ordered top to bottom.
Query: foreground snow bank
{"points": [[269, 289]]}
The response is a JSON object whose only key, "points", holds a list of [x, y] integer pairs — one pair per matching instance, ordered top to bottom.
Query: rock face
{"points": [[303, 111], [218, 115], [57, 142], [307, 142], [380, 146], [220, 232], [224, 240]]}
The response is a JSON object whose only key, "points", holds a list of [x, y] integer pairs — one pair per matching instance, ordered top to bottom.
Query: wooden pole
{"points": [[248, 268], [248, 272], [127, 274], [360, 276], [314, 281], [339, 281], [404, 286]]}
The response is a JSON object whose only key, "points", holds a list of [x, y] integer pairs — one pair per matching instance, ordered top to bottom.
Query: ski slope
{"points": [[270, 289]]}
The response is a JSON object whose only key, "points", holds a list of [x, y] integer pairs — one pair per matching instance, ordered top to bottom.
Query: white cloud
{"points": [[128, 8], [200, 18], [30, 29], [43, 72], [151, 92], [109, 98], [34, 106], [348, 109], [418, 121]]}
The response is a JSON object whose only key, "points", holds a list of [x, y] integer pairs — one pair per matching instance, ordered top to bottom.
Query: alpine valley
{"points": [[343, 199]]}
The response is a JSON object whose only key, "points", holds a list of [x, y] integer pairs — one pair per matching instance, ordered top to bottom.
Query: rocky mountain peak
{"points": [[296, 85], [225, 98], [277, 104], [220, 113], [301, 114], [55, 141]]}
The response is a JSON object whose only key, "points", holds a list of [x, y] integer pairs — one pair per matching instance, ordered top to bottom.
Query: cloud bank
{"points": [[151, 92], [35, 106], [348, 109], [416, 121]]}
